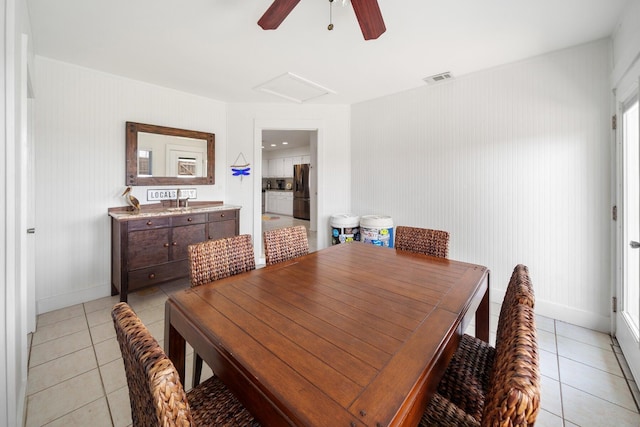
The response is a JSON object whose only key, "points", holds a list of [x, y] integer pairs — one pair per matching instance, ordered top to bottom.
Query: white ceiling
{"points": [[215, 48], [293, 139]]}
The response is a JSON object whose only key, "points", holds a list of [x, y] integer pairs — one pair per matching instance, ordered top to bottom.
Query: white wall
{"points": [[626, 42], [245, 125], [80, 158], [514, 162]]}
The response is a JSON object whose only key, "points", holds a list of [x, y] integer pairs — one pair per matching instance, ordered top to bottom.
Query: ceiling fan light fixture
{"points": [[367, 13]]}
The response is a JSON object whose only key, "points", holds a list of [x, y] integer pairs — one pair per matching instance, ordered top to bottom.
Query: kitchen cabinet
{"points": [[301, 160], [282, 167], [288, 167], [276, 168], [280, 202], [287, 205], [153, 249]]}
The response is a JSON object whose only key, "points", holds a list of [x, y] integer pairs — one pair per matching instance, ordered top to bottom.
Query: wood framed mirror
{"points": [[160, 155]]}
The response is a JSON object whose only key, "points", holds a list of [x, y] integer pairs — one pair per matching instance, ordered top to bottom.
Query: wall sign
{"points": [[171, 194]]}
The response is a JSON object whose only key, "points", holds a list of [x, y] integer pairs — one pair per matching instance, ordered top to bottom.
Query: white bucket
{"points": [[344, 228], [377, 230]]}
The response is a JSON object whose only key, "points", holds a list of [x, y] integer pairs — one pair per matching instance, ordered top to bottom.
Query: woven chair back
{"points": [[422, 240], [283, 244], [216, 259], [519, 291], [514, 391], [155, 392]]}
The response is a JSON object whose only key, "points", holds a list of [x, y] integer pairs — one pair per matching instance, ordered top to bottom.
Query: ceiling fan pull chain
{"points": [[330, 27]]}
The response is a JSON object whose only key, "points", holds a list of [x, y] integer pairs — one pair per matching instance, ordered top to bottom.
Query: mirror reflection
{"points": [[163, 155], [174, 156]]}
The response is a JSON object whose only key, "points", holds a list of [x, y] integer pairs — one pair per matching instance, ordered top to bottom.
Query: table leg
{"points": [[482, 316], [174, 343]]}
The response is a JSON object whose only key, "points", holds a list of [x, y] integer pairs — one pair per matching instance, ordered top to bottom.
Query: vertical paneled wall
{"points": [[333, 157], [514, 162], [80, 169]]}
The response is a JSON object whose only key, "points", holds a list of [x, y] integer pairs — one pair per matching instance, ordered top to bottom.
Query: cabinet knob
{"points": [[221, 215], [189, 219], [149, 223], [174, 244], [166, 245], [152, 276]]}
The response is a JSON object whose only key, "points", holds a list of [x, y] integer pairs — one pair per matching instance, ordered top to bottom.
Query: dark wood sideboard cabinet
{"points": [[153, 249]]}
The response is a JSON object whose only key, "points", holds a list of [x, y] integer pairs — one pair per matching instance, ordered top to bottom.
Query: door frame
{"points": [[627, 88], [317, 148]]}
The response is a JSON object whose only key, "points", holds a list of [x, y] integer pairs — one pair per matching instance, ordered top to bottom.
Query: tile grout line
{"points": [[555, 340], [95, 355], [624, 374], [68, 379]]}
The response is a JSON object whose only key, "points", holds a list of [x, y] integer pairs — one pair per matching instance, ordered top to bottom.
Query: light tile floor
{"points": [[76, 374]]}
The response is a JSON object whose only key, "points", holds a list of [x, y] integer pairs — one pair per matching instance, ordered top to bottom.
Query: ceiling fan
{"points": [[367, 12]]}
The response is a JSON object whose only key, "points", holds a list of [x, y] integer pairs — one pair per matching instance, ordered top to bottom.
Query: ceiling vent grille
{"points": [[437, 78], [294, 88]]}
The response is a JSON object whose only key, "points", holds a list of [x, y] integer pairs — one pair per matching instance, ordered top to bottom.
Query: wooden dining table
{"points": [[351, 335]]}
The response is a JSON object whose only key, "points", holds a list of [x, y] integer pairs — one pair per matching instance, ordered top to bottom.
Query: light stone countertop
{"points": [[157, 211]]}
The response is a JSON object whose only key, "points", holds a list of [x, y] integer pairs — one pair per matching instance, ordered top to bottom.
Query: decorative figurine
{"points": [[131, 200]]}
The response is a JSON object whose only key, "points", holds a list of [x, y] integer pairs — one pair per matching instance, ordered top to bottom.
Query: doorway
{"points": [[288, 175]]}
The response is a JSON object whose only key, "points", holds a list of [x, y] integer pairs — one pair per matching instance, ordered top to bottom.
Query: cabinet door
{"points": [[306, 159], [288, 167], [265, 168], [275, 168], [268, 201], [282, 204], [288, 208], [222, 224], [221, 229], [181, 237], [148, 247]]}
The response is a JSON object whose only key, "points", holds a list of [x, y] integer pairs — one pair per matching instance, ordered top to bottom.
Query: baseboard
{"points": [[72, 298], [564, 313]]}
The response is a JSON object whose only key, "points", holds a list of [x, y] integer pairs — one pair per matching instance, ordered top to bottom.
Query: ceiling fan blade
{"points": [[276, 13], [369, 18]]}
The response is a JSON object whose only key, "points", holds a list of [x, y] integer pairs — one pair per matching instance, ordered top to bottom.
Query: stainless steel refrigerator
{"points": [[301, 197]]}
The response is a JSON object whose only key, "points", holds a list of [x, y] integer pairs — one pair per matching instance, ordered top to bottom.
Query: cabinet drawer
{"points": [[222, 215], [189, 219], [148, 223], [157, 274]]}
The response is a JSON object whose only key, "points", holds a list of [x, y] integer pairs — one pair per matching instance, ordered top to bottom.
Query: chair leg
{"points": [[197, 369]]}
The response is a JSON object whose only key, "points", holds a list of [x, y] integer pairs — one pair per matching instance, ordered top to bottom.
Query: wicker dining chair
{"points": [[422, 240], [283, 244], [214, 260], [466, 379], [155, 392], [513, 397]]}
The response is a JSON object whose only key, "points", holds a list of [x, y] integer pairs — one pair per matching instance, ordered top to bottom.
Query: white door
{"points": [[628, 293]]}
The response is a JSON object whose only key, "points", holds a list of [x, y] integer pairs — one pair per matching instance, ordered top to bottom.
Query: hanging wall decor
{"points": [[240, 169]]}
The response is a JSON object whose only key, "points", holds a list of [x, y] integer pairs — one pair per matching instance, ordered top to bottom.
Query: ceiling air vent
{"points": [[437, 78], [293, 87]]}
